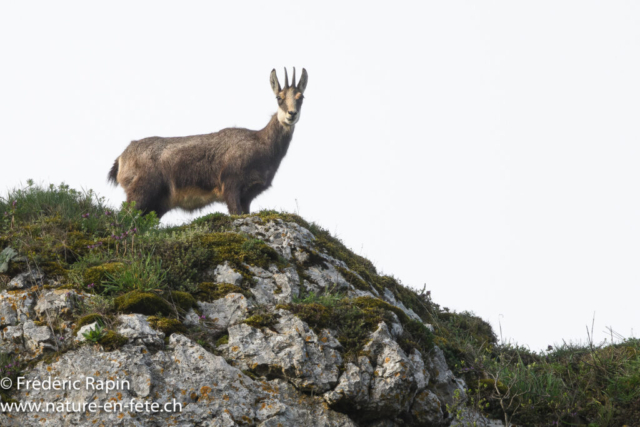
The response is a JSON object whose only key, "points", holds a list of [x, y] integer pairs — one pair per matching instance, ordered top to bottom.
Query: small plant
{"points": [[8, 219], [5, 258], [144, 274], [328, 299], [94, 335]]}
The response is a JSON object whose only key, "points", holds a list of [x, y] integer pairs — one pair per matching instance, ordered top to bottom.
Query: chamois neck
{"points": [[276, 135]]}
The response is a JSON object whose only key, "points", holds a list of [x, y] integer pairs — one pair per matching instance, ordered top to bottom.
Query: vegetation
{"points": [[132, 265], [94, 335]]}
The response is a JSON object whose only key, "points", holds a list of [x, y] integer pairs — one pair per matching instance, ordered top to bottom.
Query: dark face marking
{"points": [[289, 105]]}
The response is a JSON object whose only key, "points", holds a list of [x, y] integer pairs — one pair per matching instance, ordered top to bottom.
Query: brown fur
{"points": [[233, 165]]}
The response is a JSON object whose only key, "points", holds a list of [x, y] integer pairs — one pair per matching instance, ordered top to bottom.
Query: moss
{"points": [[271, 215], [216, 221], [239, 250], [184, 257], [313, 258], [55, 268], [98, 274], [354, 279], [208, 291], [183, 300], [142, 302], [369, 302], [315, 315], [87, 320], [262, 320], [167, 325], [415, 335], [112, 340], [222, 340], [251, 375]]}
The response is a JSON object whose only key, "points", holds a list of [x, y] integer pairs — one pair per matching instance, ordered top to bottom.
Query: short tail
{"points": [[113, 173]]}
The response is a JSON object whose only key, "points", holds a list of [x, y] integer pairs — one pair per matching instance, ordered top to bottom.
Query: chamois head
{"points": [[289, 97]]}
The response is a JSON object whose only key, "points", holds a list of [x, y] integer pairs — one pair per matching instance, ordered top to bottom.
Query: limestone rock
{"points": [[225, 274], [25, 280], [274, 287], [55, 302], [15, 307], [227, 311], [136, 328], [37, 338], [292, 350], [449, 389], [210, 391]]}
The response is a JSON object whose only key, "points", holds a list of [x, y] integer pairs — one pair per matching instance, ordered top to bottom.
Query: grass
{"points": [[573, 384]]}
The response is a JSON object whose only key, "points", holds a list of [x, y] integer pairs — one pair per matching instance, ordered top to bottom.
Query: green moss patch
{"points": [[239, 250], [100, 273], [353, 279], [208, 291], [182, 300], [143, 302], [262, 320], [166, 325], [112, 340], [222, 340]]}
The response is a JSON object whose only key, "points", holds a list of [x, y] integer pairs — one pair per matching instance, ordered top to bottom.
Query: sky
{"points": [[488, 150]]}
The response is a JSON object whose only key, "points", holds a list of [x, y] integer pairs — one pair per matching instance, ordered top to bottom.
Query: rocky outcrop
{"points": [[268, 366]]}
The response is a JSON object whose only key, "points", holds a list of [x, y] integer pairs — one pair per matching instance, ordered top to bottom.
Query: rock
{"points": [[281, 236], [225, 274], [327, 279], [25, 280], [273, 287], [391, 299], [55, 302], [15, 307], [225, 312], [191, 318], [396, 326], [136, 328], [37, 338], [12, 341], [292, 351], [396, 377], [382, 384], [449, 389], [210, 391], [352, 391], [427, 409], [471, 418]]}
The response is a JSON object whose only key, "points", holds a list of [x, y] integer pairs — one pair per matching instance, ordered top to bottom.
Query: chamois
{"points": [[233, 165]]}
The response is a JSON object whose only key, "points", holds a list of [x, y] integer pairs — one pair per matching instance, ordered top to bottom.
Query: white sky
{"points": [[487, 149]]}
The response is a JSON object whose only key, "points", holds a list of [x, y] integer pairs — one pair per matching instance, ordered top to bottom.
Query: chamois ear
{"points": [[275, 84], [302, 84]]}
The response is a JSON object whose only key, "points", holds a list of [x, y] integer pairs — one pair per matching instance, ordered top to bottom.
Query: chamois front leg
{"points": [[232, 198], [245, 204]]}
